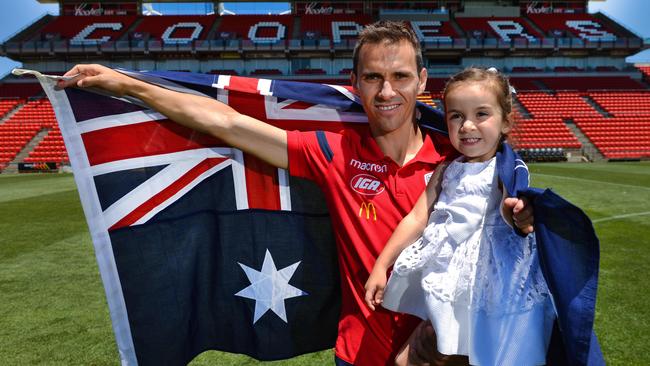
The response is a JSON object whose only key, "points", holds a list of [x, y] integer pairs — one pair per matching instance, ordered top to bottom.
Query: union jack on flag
{"points": [[201, 246]]}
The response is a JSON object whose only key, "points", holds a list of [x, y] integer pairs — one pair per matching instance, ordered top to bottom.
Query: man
{"points": [[371, 179]]}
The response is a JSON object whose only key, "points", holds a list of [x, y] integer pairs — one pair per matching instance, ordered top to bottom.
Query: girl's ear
{"points": [[508, 123]]}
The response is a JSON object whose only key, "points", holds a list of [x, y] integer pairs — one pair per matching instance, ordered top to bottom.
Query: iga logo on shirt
{"points": [[366, 184]]}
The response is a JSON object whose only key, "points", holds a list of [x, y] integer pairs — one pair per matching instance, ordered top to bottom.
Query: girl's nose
{"points": [[467, 125]]}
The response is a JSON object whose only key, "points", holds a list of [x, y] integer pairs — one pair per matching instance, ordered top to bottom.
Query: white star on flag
{"points": [[270, 287]]}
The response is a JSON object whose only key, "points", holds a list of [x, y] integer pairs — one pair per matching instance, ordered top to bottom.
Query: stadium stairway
{"points": [[297, 24], [531, 24], [456, 27], [213, 29], [126, 36], [540, 84], [596, 106], [523, 111], [7, 116], [589, 150], [24, 153]]}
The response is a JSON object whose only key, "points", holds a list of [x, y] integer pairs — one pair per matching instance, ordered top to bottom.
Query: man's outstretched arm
{"points": [[203, 114]]}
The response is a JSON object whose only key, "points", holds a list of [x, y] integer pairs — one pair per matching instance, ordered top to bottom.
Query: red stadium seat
{"points": [[583, 26], [176, 28], [264, 29], [81, 30]]}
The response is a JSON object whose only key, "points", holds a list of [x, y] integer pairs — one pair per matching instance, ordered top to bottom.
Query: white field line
{"points": [[590, 180], [616, 217]]}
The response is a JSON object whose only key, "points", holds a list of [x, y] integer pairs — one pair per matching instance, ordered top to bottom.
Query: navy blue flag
{"points": [[201, 246], [569, 254]]}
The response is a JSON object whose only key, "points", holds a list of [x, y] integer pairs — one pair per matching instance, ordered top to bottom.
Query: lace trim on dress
{"points": [[467, 254]]}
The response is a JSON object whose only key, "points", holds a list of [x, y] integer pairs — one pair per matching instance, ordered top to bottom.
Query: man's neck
{"points": [[401, 145]]}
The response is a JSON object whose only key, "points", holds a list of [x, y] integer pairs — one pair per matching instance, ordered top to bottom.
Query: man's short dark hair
{"points": [[390, 32]]}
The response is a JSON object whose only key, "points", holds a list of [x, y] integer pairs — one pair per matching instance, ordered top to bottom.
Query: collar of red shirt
{"points": [[429, 153]]}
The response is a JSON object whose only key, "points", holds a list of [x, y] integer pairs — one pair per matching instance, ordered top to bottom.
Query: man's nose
{"points": [[386, 91]]}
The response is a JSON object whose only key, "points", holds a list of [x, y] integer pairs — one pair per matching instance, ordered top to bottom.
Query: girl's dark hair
{"points": [[498, 81]]}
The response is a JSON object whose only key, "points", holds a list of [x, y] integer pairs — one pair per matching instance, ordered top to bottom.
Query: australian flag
{"points": [[201, 246]]}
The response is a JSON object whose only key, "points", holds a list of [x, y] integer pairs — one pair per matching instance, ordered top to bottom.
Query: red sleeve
{"points": [[311, 153]]}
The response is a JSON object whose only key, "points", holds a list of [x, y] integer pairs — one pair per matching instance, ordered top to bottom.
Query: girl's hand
{"points": [[519, 212], [375, 287]]}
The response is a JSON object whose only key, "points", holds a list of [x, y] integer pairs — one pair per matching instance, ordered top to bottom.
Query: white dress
{"points": [[478, 282]]}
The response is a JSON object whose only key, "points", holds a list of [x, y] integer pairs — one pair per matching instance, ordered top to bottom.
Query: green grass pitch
{"points": [[53, 309]]}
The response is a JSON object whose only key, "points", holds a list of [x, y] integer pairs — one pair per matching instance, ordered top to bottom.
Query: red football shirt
{"points": [[367, 195]]}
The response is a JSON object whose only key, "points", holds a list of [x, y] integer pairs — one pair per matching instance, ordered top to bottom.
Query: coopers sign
{"points": [[98, 9]]}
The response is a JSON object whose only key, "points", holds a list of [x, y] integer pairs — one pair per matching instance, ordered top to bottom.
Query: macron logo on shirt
{"points": [[369, 167]]}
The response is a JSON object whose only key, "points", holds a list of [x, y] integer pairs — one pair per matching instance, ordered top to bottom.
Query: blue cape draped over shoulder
{"points": [[569, 254]]}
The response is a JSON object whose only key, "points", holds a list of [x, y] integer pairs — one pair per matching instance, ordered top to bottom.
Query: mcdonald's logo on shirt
{"points": [[369, 209]]}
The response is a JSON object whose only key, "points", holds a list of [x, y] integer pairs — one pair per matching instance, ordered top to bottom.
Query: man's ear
{"points": [[353, 80], [422, 83]]}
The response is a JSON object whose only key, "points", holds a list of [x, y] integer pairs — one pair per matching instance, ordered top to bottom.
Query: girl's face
{"points": [[475, 120]]}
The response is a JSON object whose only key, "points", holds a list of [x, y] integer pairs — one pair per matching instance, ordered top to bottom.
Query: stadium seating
{"points": [[583, 26], [334, 27], [177, 28], [259, 28], [503, 28], [86, 30], [526, 69], [567, 69], [645, 70], [310, 71], [223, 72], [266, 72], [520, 83], [590, 83], [435, 85], [19, 90], [428, 99], [612, 103], [623, 103], [7, 105], [561, 105], [23, 126], [542, 133], [620, 137], [50, 149]]}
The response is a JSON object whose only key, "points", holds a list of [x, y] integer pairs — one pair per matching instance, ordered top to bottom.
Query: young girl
{"points": [[469, 273]]}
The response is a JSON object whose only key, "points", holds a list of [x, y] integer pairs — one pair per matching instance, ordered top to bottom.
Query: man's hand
{"points": [[99, 76], [520, 211], [375, 287], [421, 350]]}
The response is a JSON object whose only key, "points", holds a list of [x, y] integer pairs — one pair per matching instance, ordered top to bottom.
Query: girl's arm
{"points": [[408, 230]]}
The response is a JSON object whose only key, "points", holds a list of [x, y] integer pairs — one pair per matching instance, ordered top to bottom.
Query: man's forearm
{"points": [[196, 112]]}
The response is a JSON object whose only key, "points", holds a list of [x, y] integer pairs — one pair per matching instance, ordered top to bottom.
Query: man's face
{"points": [[387, 81]]}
